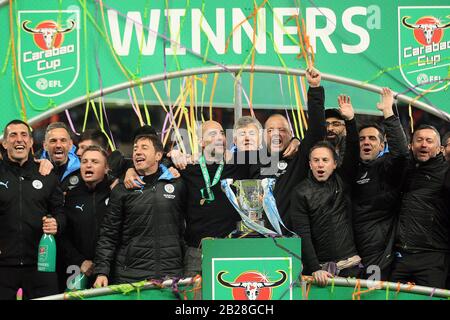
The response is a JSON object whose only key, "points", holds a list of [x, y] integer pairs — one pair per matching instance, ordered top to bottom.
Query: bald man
{"points": [[288, 172], [209, 212]]}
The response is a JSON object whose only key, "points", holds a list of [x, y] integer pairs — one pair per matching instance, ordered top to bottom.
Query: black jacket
{"points": [[289, 172], [376, 191], [25, 197], [84, 209], [321, 211], [424, 219], [141, 236]]}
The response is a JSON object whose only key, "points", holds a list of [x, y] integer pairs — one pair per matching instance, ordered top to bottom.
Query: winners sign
{"points": [[49, 59]]}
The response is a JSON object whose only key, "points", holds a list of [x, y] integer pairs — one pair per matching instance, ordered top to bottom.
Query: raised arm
{"points": [[316, 109], [395, 136], [349, 165]]}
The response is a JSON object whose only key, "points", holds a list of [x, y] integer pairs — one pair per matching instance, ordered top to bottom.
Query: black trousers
{"points": [[424, 268], [33, 283]]}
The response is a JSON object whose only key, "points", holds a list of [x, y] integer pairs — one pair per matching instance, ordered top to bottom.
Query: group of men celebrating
{"points": [[361, 199]]}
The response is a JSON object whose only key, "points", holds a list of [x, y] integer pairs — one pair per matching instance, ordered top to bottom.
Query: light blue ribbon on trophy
{"points": [[226, 187], [270, 205]]}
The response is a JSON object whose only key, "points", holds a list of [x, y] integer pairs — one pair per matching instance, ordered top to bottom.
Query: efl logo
{"points": [[423, 46], [49, 50], [252, 285]]}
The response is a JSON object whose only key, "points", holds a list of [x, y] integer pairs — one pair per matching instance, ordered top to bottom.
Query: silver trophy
{"points": [[254, 197], [250, 200]]}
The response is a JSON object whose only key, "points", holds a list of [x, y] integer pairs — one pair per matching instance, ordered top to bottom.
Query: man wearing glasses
{"points": [[336, 131]]}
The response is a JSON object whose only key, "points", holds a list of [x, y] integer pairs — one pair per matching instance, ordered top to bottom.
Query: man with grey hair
{"points": [[247, 134], [59, 149], [422, 242]]}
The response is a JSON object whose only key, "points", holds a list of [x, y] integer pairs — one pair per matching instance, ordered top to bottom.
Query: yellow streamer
{"points": [[216, 75]]}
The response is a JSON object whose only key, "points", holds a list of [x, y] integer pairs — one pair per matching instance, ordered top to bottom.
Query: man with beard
{"points": [[336, 131], [59, 149], [288, 172], [376, 188], [209, 212], [422, 243]]}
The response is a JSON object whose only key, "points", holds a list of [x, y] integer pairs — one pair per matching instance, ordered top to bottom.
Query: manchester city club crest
{"points": [[424, 41], [48, 50]]}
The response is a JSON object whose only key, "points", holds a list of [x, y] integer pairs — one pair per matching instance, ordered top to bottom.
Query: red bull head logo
{"points": [[427, 30], [47, 34], [252, 285]]}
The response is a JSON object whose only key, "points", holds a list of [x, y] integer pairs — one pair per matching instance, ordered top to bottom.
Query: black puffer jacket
{"points": [[376, 192], [25, 197], [84, 209], [321, 211], [424, 219], [141, 236]]}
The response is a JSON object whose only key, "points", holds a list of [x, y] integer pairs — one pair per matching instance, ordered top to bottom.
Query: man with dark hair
{"points": [[336, 131], [91, 137], [446, 146], [59, 149], [122, 167], [376, 188], [26, 198], [321, 208], [141, 236], [422, 243]]}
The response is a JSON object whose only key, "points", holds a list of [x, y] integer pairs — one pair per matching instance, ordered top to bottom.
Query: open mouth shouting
{"points": [[276, 143], [367, 151], [59, 155], [139, 160], [321, 173], [88, 174]]}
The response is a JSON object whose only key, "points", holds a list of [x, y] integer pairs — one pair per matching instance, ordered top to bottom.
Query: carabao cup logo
{"points": [[424, 46], [49, 51], [252, 285]]}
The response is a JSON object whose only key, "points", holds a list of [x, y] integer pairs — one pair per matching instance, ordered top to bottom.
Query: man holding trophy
{"points": [[289, 171], [281, 173], [211, 213]]}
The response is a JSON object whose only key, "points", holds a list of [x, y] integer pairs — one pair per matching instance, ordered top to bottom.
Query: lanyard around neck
{"points": [[210, 198]]}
